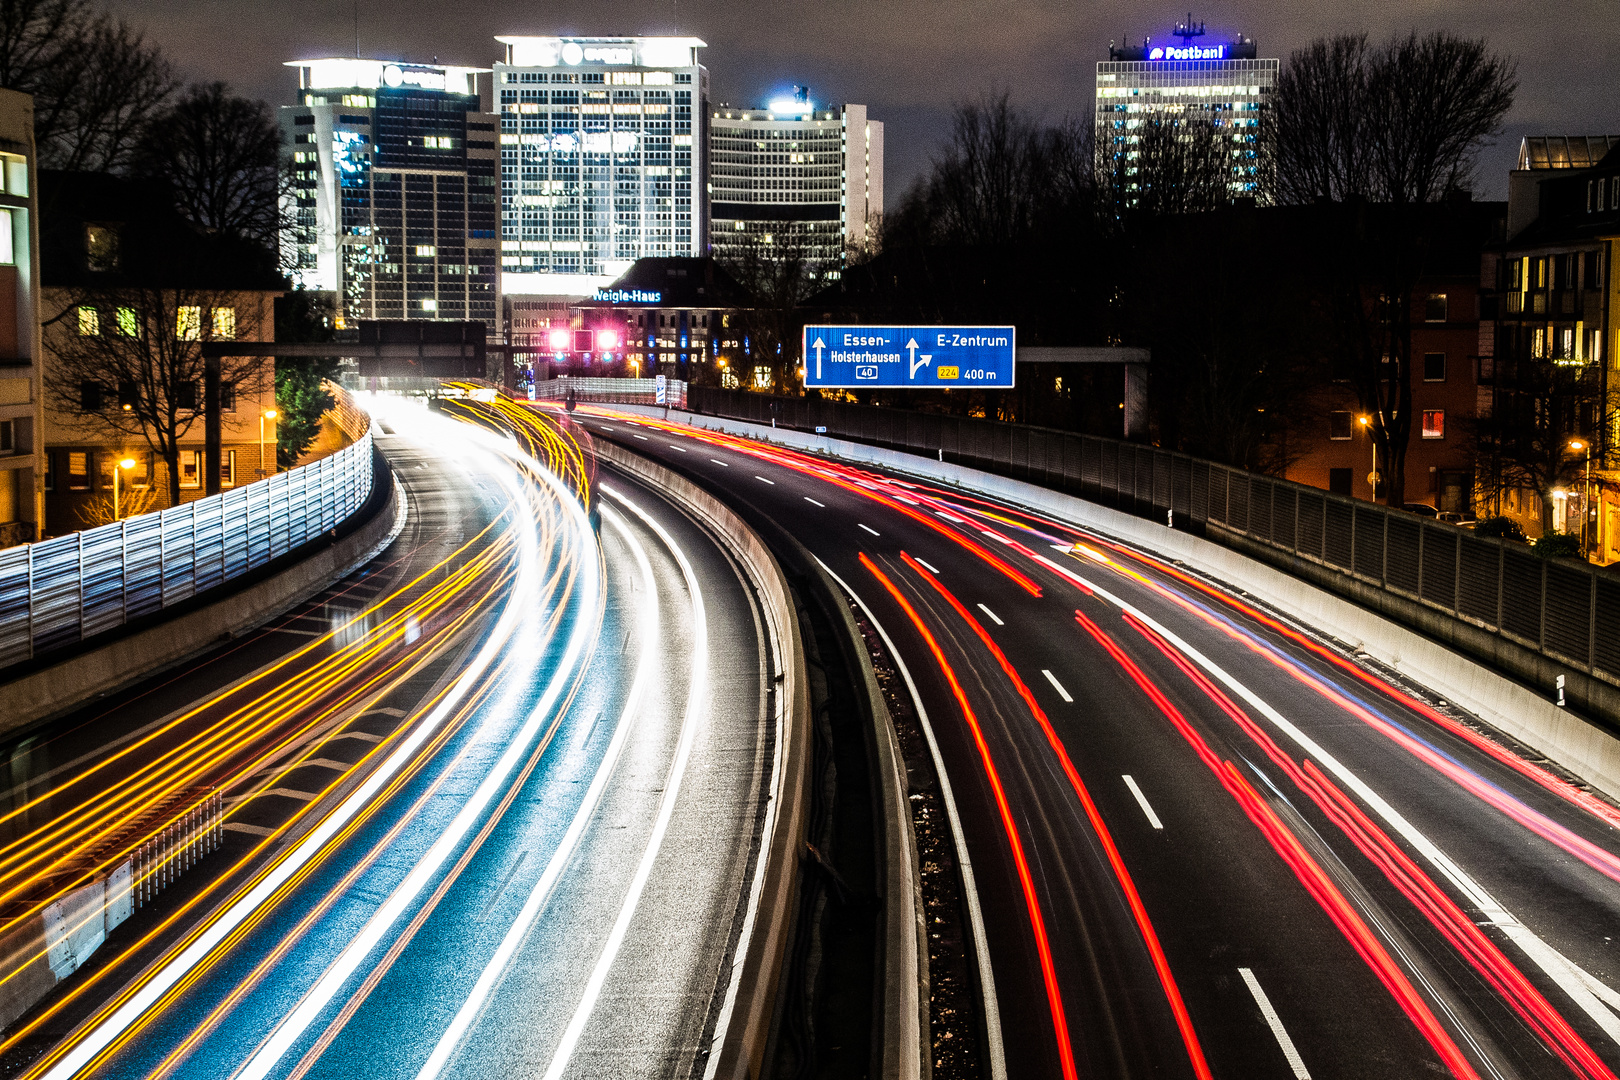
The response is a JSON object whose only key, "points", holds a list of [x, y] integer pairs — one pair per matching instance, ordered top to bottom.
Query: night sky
{"points": [[909, 60]]}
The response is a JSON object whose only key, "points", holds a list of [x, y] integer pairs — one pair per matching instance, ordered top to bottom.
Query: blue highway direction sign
{"points": [[940, 357]]}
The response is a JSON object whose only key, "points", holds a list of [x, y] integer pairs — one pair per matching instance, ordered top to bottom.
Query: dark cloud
{"points": [[909, 60]]}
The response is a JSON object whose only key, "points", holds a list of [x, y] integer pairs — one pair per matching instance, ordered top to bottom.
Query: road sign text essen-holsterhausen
{"points": [[923, 356]]}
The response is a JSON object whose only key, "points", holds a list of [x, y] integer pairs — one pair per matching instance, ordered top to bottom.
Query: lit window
{"points": [[100, 248], [8, 251], [426, 251], [430, 305], [1435, 309], [89, 322], [128, 323], [188, 323], [225, 323], [1434, 423], [190, 468], [227, 469], [78, 471]]}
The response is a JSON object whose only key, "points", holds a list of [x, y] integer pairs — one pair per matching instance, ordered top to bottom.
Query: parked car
{"points": [[1420, 508]]}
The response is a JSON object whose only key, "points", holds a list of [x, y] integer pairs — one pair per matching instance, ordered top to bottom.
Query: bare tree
{"points": [[95, 80], [1387, 132], [219, 154], [1175, 165], [779, 273], [127, 362], [1524, 442]]}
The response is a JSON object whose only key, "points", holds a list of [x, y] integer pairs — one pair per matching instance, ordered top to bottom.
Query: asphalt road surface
{"points": [[490, 805], [1206, 841]]}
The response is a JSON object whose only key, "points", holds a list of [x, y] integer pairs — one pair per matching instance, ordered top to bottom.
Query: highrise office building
{"points": [[1223, 84], [603, 158], [794, 178], [394, 189]]}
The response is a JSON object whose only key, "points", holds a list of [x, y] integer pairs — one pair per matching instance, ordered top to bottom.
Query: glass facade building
{"points": [[1227, 86], [602, 158], [807, 181], [393, 196]]}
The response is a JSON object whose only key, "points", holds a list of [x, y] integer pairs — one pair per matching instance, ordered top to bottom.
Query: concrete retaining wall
{"points": [[86, 676], [1560, 734], [743, 1027]]}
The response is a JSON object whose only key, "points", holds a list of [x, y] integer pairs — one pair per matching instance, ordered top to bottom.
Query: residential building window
{"points": [[1602, 187], [1590, 201], [100, 248], [8, 249], [1593, 270], [1435, 309], [89, 322], [129, 323], [188, 323], [225, 323], [1538, 343], [1434, 367], [89, 396], [185, 396], [227, 397], [1434, 423], [1341, 425], [8, 436], [191, 468], [227, 469], [78, 470], [50, 471], [141, 475], [1339, 481]]}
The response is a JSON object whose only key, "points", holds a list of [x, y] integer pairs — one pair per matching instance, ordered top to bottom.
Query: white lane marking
{"points": [[604, 427], [643, 438], [682, 449], [717, 461], [762, 480], [902, 498], [813, 502], [950, 517], [869, 529], [927, 566], [520, 605], [993, 616], [1062, 693], [696, 706], [1141, 800], [540, 894], [981, 944], [1570, 977], [1274, 1022]]}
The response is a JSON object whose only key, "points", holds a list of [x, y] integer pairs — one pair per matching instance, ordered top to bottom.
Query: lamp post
{"points": [[267, 414], [123, 465], [1372, 477], [1586, 492]]}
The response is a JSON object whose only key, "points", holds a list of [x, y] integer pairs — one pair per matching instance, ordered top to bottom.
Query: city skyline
{"points": [[907, 68]]}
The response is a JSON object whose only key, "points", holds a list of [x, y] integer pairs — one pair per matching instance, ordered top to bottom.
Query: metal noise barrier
{"points": [[61, 591], [1563, 609]]}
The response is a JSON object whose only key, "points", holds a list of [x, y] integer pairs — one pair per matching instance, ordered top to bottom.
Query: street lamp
{"points": [[268, 414], [125, 464], [1372, 477], [1586, 491]]}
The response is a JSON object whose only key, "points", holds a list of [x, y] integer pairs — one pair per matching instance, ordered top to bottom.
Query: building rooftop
{"points": [[1564, 151]]}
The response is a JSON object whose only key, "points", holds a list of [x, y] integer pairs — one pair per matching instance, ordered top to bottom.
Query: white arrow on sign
{"points": [[818, 346], [927, 358]]}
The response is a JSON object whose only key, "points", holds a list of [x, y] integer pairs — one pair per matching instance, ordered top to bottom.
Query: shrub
{"points": [[1555, 544]]}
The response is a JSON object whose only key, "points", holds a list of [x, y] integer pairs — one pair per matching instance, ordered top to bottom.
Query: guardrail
{"points": [[613, 391], [59, 592], [1565, 610]]}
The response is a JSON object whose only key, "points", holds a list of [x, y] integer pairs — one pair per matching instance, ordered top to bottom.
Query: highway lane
{"points": [[574, 810], [1208, 842]]}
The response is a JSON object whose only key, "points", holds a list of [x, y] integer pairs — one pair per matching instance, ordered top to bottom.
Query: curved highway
{"points": [[467, 796], [1204, 841]]}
